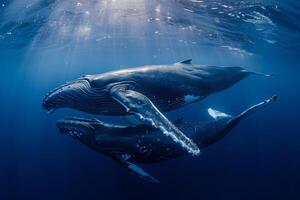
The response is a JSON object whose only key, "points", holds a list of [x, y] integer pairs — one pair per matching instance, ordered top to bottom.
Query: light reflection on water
{"points": [[236, 25]]}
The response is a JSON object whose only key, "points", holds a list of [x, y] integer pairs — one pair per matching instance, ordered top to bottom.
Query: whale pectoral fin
{"points": [[186, 62], [139, 105], [135, 169]]}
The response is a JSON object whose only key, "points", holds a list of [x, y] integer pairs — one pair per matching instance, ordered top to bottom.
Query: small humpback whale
{"points": [[146, 92], [129, 145]]}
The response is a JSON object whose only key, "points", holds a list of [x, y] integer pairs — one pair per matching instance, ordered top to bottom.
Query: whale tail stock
{"points": [[234, 121], [231, 122]]}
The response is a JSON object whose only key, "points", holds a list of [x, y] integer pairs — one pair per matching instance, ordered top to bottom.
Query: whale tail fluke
{"points": [[261, 74]]}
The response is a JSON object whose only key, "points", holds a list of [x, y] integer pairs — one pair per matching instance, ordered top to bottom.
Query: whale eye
{"points": [[89, 79], [99, 82], [93, 83]]}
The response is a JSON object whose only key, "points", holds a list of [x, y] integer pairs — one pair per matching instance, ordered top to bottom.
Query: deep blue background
{"points": [[260, 159]]}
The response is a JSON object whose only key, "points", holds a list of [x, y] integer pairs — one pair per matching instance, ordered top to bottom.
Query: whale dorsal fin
{"points": [[186, 62], [217, 114]]}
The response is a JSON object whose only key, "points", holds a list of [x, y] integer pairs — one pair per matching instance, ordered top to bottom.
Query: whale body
{"points": [[146, 92], [129, 145]]}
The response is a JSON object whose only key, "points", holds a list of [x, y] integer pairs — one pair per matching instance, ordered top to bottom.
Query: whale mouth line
{"points": [[78, 93], [63, 94], [71, 95], [76, 127]]}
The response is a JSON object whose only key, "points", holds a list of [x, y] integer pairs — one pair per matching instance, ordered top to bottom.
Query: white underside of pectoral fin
{"points": [[141, 106], [217, 114]]}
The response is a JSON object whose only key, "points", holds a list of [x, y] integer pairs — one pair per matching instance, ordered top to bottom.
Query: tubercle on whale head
{"points": [[58, 97], [51, 111]]}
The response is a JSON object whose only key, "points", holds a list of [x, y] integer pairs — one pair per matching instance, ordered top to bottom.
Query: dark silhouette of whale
{"points": [[146, 92], [145, 144]]}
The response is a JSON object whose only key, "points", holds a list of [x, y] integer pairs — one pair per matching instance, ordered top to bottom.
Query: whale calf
{"points": [[146, 92], [129, 145]]}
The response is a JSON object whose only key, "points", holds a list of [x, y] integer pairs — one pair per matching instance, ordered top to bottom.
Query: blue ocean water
{"points": [[44, 43]]}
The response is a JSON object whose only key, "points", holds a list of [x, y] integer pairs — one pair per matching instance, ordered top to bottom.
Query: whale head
{"points": [[79, 94], [78, 128]]}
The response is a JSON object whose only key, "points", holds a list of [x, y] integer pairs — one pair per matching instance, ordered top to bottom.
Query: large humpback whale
{"points": [[146, 92], [145, 144]]}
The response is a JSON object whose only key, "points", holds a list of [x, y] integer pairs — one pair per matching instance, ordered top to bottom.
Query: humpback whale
{"points": [[146, 92], [130, 145]]}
